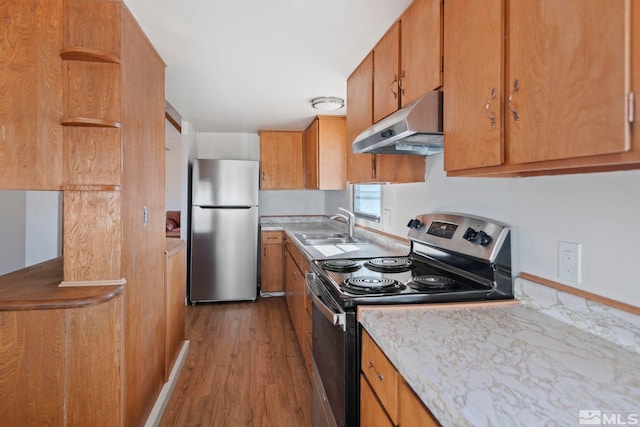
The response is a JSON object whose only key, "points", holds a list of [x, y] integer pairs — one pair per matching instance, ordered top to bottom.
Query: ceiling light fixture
{"points": [[327, 103]]}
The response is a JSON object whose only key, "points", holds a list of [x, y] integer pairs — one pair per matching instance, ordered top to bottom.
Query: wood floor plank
{"points": [[244, 369]]}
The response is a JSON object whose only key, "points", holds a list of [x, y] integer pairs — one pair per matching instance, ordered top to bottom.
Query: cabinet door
{"points": [[474, 48], [421, 49], [569, 59], [386, 64], [359, 118], [331, 153], [311, 156], [281, 160], [271, 269], [289, 283], [411, 411], [372, 413]]}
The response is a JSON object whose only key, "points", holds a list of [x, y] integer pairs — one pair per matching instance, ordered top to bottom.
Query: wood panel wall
{"points": [[31, 95], [143, 245]]}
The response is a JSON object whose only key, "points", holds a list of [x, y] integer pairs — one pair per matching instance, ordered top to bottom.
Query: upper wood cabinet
{"points": [[408, 58], [386, 69], [542, 87], [360, 117], [324, 153], [281, 160], [371, 167]]}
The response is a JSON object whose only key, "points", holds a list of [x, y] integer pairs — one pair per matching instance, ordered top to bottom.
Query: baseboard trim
{"points": [[167, 388]]}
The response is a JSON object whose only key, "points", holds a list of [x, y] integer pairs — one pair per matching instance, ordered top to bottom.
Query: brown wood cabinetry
{"points": [[407, 59], [386, 67], [31, 96], [536, 103], [86, 116], [324, 153], [281, 160], [373, 167], [271, 262], [295, 268], [175, 300], [62, 350], [385, 398], [411, 411]]}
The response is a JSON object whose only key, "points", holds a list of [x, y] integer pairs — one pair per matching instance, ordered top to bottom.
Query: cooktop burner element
{"points": [[341, 265], [395, 265], [431, 283], [371, 285]]}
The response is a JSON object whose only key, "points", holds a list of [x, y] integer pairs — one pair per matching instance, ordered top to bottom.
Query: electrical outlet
{"points": [[569, 261]]}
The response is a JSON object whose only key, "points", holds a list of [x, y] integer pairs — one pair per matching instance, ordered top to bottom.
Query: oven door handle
{"points": [[336, 319]]}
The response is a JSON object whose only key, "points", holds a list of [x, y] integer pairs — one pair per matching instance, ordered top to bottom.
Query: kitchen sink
{"points": [[328, 239]]}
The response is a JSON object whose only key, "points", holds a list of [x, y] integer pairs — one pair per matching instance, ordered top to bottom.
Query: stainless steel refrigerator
{"points": [[224, 230]]}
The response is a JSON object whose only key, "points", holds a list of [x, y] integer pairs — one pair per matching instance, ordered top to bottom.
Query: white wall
{"points": [[189, 143], [228, 146], [173, 167], [292, 202], [600, 210], [13, 214], [43, 226], [30, 228]]}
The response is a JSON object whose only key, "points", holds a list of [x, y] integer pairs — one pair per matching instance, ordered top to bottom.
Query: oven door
{"points": [[334, 359]]}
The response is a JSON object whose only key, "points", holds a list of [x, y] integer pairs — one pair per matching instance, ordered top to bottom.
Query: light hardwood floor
{"points": [[244, 368]]}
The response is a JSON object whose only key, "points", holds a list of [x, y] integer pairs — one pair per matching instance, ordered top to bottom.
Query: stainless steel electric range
{"points": [[452, 258]]}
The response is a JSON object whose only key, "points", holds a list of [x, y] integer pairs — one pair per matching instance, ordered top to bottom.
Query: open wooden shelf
{"points": [[85, 54], [89, 122]]}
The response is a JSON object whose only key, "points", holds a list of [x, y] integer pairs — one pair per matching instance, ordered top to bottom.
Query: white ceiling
{"points": [[245, 65]]}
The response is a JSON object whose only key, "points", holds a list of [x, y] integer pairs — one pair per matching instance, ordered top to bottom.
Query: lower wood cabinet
{"points": [[271, 261], [295, 267], [175, 289], [385, 398]]}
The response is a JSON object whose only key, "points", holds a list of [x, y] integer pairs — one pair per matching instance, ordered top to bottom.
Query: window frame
{"points": [[356, 189]]}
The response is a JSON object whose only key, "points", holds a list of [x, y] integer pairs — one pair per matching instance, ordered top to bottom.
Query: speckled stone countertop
{"points": [[377, 245], [548, 359]]}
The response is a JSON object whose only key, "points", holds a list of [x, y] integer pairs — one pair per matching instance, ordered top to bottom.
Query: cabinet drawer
{"points": [[271, 237], [381, 374]]}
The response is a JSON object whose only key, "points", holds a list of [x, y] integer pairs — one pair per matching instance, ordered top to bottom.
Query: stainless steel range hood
{"points": [[415, 129]]}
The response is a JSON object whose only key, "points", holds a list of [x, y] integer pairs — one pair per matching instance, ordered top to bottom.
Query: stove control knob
{"points": [[415, 224], [470, 234], [483, 238]]}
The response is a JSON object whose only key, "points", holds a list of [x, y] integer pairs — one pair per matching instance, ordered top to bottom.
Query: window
{"points": [[366, 201]]}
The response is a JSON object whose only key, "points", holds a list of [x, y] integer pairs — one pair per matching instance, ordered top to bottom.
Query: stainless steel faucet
{"points": [[349, 219]]}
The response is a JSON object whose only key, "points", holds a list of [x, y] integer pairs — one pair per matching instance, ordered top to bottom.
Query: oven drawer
{"points": [[381, 375]]}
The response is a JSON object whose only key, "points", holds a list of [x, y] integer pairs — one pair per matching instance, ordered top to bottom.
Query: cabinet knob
{"points": [[376, 374]]}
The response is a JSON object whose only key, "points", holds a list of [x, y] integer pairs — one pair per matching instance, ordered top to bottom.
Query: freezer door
{"points": [[225, 182], [224, 254]]}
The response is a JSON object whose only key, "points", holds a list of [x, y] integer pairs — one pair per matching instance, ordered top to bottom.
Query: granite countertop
{"points": [[376, 245], [540, 360]]}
